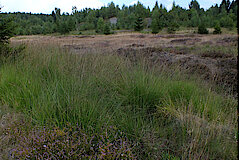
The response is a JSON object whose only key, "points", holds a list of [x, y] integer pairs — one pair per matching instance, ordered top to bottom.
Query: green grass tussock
{"points": [[164, 115]]}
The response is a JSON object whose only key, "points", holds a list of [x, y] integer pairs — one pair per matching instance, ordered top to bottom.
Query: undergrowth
{"points": [[161, 116]]}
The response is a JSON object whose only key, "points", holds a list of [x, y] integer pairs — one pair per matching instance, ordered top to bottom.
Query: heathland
{"points": [[158, 85], [122, 96]]}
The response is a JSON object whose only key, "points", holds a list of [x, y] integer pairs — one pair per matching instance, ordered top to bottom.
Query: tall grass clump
{"points": [[161, 114]]}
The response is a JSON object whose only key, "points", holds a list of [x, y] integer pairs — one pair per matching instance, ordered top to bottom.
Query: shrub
{"points": [[227, 22], [100, 25], [63, 27], [173, 27], [37, 29], [106, 29], [202, 29], [217, 29], [171, 30]]}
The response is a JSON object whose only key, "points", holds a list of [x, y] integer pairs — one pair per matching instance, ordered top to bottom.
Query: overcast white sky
{"points": [[46, 6]]}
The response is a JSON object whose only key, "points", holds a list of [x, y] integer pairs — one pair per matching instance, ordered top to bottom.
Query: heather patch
{"points": [[71, 142]]}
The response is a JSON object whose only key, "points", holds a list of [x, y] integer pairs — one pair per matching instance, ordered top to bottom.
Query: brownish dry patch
{"points": [[189, 41], [113, 42], [211, 65]]}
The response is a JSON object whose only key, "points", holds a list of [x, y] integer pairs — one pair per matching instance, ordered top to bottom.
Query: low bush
{"points": [[227, 22], [173, 26], [106, 29], [202, 29], [217, 29]]}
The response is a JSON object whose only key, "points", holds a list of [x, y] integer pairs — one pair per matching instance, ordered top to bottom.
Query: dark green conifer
{"points": [[138, 24]]}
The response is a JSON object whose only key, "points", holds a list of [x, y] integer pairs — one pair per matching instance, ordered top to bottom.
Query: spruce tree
{"points": [[138, 24]]}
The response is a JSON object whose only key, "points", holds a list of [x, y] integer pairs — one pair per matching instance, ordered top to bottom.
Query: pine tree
{"points": [[138, 24]]}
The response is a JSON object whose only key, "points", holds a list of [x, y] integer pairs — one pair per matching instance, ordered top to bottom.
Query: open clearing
{"points": [[113, 42], [213, 57], [131, 82], [131, 96]]}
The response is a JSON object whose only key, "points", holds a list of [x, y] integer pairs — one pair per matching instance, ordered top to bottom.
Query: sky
{"points": [[46, 6]]}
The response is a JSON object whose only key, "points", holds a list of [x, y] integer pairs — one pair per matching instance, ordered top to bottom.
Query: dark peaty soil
{"points": [[221, 69]]}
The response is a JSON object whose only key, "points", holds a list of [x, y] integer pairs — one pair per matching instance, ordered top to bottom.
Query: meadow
{"points": [[123, 96]]}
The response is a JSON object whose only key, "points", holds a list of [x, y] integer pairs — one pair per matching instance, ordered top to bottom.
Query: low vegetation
{"points": [[202, 29], [217, 29], [126, 104], [131, 109]]}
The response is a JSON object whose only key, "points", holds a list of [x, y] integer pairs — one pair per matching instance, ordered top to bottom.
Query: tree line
{"points": [[135, 17]]}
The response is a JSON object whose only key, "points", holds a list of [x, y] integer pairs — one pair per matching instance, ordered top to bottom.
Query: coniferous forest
{"points": [[225, 15]]}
